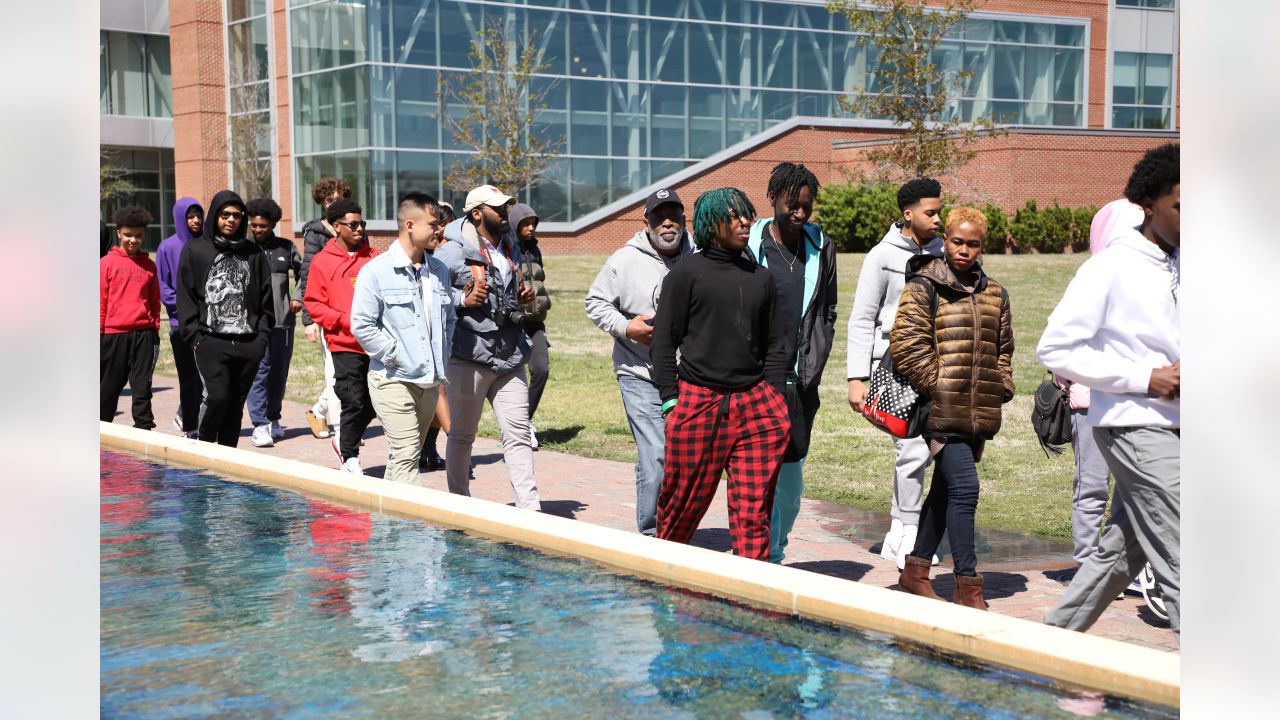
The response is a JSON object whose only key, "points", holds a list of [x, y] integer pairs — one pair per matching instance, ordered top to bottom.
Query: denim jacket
{"points": [[390, 320]]}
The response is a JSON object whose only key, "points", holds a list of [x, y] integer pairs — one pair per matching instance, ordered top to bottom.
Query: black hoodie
{"points": [[198, 257]]}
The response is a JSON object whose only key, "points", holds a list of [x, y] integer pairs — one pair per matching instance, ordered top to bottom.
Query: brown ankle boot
{"points": [[914, 578], [969, 592]]}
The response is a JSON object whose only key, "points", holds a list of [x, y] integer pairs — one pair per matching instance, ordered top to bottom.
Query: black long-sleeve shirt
{"points": [[718, 308]]}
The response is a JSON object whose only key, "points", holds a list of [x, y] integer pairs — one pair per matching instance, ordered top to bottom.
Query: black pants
{"points": [[127, 357], [227, 365], [539, 365], [351, 385], [190, 388], [802, 408], [950, 506]]}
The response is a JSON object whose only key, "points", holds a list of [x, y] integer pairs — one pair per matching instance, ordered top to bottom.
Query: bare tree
{"points": [[912, 90], [499, 107], [247, 121], [112, 184]]}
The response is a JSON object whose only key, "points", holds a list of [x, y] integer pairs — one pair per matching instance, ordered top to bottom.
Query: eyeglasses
{"points": [[230, 215], [356, 225]]}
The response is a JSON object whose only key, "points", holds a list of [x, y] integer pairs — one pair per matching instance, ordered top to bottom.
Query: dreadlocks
{"points": [[787, 179], [712, 208]]}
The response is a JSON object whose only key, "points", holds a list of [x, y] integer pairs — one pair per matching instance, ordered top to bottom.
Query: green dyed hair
{"points": [[712, 208]]}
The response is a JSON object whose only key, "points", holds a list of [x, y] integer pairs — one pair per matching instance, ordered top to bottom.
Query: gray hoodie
{"points": [[628, 285], [875, 301]]}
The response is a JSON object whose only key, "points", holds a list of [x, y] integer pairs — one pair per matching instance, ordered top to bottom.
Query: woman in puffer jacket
{"points": [[953, 339]]}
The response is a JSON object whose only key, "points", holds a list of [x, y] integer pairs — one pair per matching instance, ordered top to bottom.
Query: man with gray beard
{"points": [[622, 302]]}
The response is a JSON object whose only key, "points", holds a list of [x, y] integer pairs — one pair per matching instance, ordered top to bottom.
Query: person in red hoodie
{"points": [[331, 285], [128, 320]]}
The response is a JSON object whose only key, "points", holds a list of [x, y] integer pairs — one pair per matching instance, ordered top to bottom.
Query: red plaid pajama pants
{"points": [[710, 431]]}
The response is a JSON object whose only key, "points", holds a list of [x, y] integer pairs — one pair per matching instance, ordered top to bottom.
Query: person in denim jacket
{"points": [[403, 316]]}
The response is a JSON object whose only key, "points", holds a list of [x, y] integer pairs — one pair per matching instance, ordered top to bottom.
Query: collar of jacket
{"points": [[936, 270]]}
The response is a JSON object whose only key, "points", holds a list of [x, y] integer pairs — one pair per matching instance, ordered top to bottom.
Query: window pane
{"points": [[459, 23], [975, 29], [549, 30], [1009, 31], [1040, 33], [328, 35], [1072, 35], [412, 39], [588, 45], [627, 48], [666, 50], [706, 54], [777, 55], [812, 56], [742, 64], [1008, 72], [128, 74], [1068, 75], [1124, 78], [159, 79], [1157, 79], [1037, 82], [815, 104], [777, 107], [332, 110], [1124, 117], [1155, 118], [589, 120], [630, 120], [417, 124], [667, 133], [418, 172], [628, 176], [590, 185], [383, 194], [550, 195]]}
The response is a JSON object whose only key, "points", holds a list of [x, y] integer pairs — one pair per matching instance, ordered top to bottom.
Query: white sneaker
{"points": [[277, 430], [262, 436], [533, 436], [352, 465], [892, 541], [908, 544]]}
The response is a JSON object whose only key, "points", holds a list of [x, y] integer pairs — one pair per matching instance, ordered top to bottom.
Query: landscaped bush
{"points": [[856, 216]]}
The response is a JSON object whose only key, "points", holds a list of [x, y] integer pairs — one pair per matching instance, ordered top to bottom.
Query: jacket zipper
{"points": [[973, 367]]}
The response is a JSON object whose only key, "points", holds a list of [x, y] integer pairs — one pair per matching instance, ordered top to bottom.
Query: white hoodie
{"points": [[1118, 321]]}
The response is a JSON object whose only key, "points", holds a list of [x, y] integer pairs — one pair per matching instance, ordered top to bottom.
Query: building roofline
{"points": [[1031, 130], [709, 163]]}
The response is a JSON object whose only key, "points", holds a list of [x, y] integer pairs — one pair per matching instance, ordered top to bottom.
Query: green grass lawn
{"points": [[850, 462]]}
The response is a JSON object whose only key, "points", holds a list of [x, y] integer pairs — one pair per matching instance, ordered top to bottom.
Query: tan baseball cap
{"points": [[487, 195]]}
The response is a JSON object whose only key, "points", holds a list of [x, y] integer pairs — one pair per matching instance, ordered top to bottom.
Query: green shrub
{"points": [[856, 216], [1083, 217], [1057, 222], [1027, 227], [997, 228]]}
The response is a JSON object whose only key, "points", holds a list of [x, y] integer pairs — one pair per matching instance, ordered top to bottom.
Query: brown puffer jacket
{"points": [[969, 374]]}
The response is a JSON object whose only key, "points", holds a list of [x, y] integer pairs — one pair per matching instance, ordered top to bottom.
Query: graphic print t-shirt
{"points": [[224, 294]]}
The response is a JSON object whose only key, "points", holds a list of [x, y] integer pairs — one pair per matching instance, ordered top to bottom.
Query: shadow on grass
{"points": [[558, 436], [843, 569]]}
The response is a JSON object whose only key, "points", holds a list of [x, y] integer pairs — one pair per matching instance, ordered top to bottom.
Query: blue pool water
{"points": [[221, 599]]}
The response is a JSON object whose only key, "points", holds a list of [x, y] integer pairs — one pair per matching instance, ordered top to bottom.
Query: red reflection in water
{"points": [[126, 484], [338, 535]]}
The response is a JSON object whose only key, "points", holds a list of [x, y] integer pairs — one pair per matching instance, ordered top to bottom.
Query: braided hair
{"points": [[786, 180], [712, 208]]}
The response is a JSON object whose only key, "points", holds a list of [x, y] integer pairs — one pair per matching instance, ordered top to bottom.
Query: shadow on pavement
{"points": [[563, 508], [844, 569]]}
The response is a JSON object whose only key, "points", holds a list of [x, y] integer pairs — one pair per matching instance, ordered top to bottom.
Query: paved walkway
{"points": [[828, 538]]}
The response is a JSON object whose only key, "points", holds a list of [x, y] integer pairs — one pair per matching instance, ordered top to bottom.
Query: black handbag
{"points": [[1051, 416]]}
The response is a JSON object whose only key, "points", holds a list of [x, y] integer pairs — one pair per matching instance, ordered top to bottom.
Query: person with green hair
{"points": [[723, 399]]}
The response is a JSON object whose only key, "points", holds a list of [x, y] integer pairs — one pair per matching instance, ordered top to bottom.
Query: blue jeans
{"points": [[267, 392], [644, 413], [950, 507]]}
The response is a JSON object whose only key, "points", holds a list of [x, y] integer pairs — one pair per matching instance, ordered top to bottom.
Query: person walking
{"points": [[524, 222], [188, 223], [315, 235], [803, 263], [330, 291], [622, 302], [875, 305], [226, 312], [403, 316], [128, 320], [1117, 331], [953, 339], [489, 348], [266, 395], [723, 396]]}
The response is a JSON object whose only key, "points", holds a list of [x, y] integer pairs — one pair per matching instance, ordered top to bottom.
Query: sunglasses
{"points": [[230, 215], [357, 225]]}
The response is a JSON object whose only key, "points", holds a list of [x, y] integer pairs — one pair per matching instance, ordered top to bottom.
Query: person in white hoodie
{"points": [[622, 302], [875, 305], [1117, 331]]}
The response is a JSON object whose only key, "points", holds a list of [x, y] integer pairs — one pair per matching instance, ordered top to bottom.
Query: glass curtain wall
{"points": [[133, 75], [636, 89], [1141, 90], [150, 172]]}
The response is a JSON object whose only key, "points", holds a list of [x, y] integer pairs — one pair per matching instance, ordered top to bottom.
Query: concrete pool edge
{"points": [[1097, 663]]}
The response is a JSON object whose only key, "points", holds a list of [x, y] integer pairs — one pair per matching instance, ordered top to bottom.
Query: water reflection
{"points": [[227, 599]]}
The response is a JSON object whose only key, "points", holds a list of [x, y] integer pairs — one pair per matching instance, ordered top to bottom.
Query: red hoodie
{"points": [[331, 285], [128, 292]]}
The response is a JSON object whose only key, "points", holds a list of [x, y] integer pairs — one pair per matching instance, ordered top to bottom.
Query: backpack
{"points": [[1051, 416]]}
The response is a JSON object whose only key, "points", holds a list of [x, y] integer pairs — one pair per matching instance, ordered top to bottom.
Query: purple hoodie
{"points": [[167, 256]]}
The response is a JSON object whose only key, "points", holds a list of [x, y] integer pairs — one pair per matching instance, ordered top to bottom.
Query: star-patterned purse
{"points": [[893, 404]]}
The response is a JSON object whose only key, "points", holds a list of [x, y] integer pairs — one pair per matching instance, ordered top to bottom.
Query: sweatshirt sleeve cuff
{"points": [[619, 328]]}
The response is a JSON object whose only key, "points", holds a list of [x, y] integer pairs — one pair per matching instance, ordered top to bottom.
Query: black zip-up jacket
{"points": [[315, 235], [193, 271], [718, 309], [818, 325]]}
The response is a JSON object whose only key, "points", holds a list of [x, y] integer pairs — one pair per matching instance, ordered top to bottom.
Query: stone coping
{"points": [[1084, 660]]}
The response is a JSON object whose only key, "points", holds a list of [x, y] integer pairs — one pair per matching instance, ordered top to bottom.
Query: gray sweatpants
{"points": [[470, 384], [1147, 467], [908, 478], [1089, 487]]}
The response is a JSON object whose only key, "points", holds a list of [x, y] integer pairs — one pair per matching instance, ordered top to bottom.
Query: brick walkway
{"points": [[828, 538]]}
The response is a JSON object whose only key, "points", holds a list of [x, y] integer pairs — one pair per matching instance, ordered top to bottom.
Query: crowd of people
{"points": [[722, 329]]}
